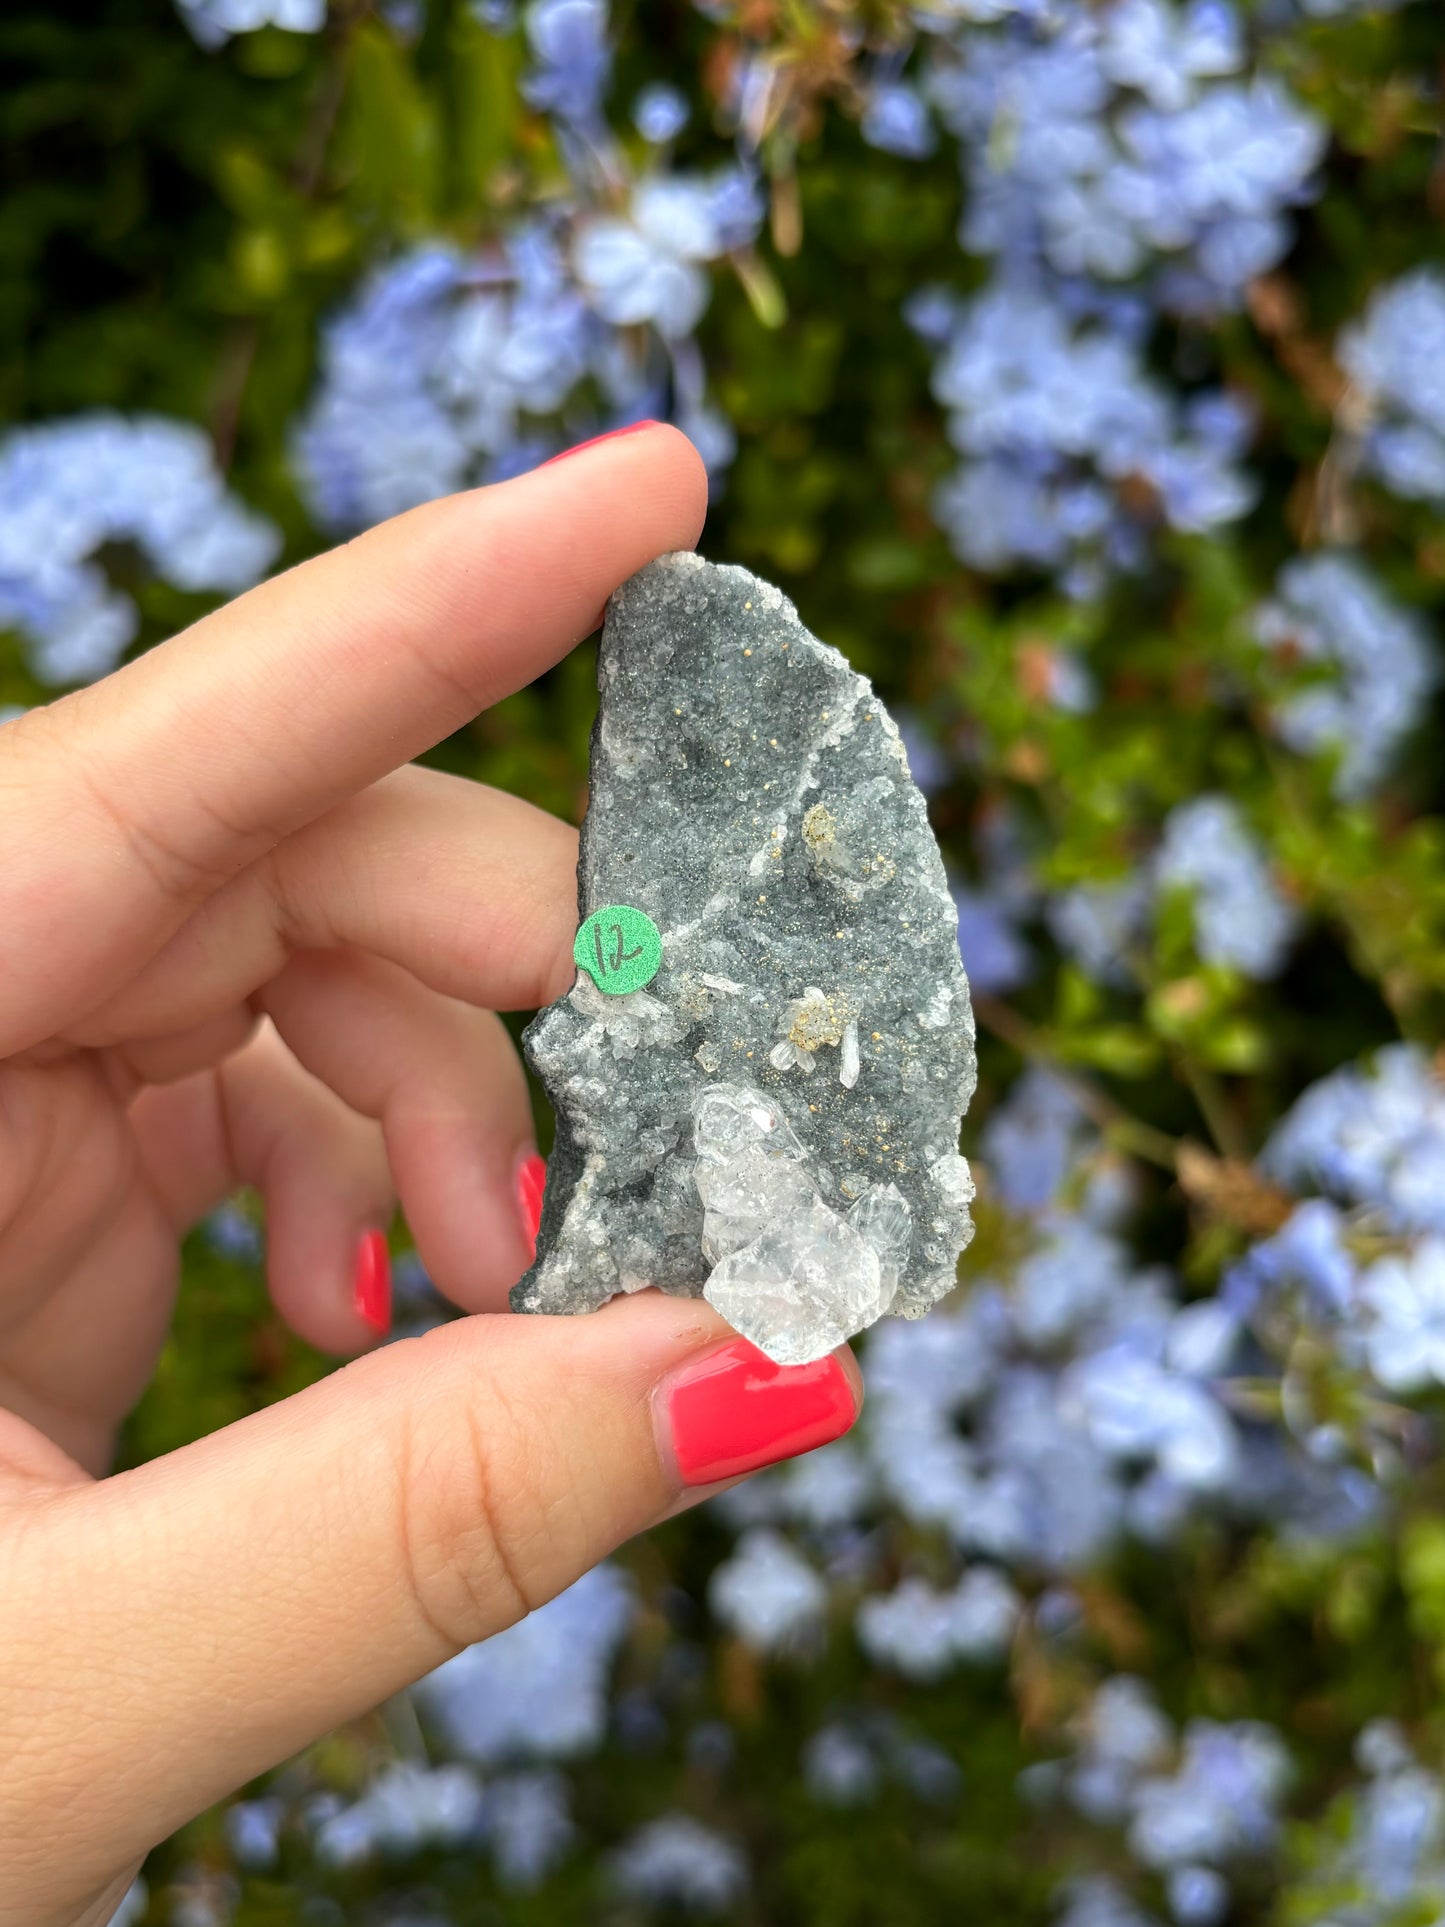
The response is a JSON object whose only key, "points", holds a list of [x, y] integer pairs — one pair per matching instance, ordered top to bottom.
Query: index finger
{"points": [[130, 802]]}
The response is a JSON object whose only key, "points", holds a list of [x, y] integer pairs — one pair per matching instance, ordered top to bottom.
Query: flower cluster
{"points": [[213, 22], [1108, 144], [1118, 162], [1393, 356], [451, 368], [1072, 451], [70, 489], [1368, 665], [1206, 855], [1240, 919], [1371, 1136], [1365, 1263], [1058, 1408], [1041, 1422], [767, 1593], [923, 1633], [537, 1693], [1194, 1806], [520, 1820], [1379, 1855], [676, 1861]]}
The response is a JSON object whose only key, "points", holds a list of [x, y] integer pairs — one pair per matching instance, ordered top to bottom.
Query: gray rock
{"points": [[804, 1053]]}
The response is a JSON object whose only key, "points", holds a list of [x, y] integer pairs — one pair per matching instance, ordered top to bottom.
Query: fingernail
{"points": [[612, 435], [531, 1186], [371, 1282], [734, 1410]]}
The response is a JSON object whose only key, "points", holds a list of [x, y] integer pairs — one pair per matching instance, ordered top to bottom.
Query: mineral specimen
{"points": [[772, 1121]]}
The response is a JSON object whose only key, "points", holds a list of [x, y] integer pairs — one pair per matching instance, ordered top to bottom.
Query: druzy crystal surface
{"points": [[773, 1121]]}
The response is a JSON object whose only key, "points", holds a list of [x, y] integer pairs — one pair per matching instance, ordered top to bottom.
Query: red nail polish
{"points": [[612, 435], [531, 1185], [371, 1282], [734, 1410]]}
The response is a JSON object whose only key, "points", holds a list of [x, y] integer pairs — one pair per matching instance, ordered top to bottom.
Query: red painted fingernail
{"points": [[612, 435], [531, 1185], [371, 1282], [734, 1410]]}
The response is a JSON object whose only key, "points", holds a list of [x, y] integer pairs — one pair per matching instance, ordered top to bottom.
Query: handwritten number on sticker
{"points": [[620, 949]]}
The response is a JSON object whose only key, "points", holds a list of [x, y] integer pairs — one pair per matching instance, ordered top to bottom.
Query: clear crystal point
{"points": [[726, 1118], [744, 1194], [882, 1219], [801, 1288]]}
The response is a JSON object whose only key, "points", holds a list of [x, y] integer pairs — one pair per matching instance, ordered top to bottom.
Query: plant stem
{"points": [[1129, 1133]]}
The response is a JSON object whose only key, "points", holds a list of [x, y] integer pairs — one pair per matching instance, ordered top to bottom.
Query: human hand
{"points": [[240, 943]]}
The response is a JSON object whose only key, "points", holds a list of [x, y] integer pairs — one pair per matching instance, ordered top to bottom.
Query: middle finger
{"points": [[468, 889]]}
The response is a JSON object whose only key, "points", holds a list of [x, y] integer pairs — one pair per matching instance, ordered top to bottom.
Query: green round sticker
{"points": [[620, 949]]}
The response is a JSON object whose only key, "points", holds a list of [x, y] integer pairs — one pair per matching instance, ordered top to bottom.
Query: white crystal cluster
{"points": [[807, 1024], [789, 1272]]}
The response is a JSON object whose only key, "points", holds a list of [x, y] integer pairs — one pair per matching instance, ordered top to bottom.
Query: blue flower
{"points": [[213, 22], [1163, 51], [572, 60], [660, 112], [895, 120], [1119, 144], [736, 206], [645, 266], [1394, 357], [434, 375], [1052, 414], [69, 487], [1327, 613], [1240, 918], [1097, 924], [994, 955], [1371, 1135], [1033, 1140], [229, 1231], [1308, 1251], [1074, 1276], [1404, 1297], [1136, 1408], [828, 1488], [767, 1593], [923, 1633], [1122, 1736], [840, 1768], [1221, 1803], [406, 1809], [527, 1820], [253, 1831], [1396, 1843], [677, 1861], [1198, 1896], [1094, 1900]]}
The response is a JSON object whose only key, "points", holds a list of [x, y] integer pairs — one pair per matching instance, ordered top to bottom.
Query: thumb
{"points": [[186, 1625]]}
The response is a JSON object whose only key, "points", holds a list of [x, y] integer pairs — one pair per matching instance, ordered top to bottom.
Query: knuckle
{"points": [[179, 870], [478, 1533]]}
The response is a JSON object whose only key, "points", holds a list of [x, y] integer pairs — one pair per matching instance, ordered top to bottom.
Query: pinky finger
{"points": [[261, 1119]]}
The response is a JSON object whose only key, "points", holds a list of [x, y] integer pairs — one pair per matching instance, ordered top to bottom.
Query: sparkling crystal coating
{"points": [[774, 1119]]}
